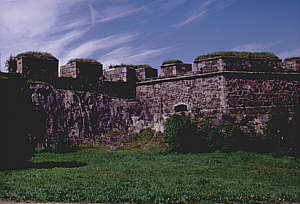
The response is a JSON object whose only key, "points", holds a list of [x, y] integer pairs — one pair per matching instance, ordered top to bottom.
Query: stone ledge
{"points": [[227, 73]]}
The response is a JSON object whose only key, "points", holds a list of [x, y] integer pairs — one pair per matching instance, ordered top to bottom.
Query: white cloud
{"points": [[204, 8], [27, 18], [37, 25], [254, 47], [290, 53]]}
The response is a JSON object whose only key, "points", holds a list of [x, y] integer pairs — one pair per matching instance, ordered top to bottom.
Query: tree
{"points": [[11, 64]]}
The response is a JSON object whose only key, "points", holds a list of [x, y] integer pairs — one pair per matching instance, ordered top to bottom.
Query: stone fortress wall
{"points": [[132, 97]]}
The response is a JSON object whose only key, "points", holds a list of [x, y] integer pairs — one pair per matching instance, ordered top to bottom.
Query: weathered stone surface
{"points": [[237, 64], [173, 69], [82, 70], [144, 73], [228, 92], [85, 116]]}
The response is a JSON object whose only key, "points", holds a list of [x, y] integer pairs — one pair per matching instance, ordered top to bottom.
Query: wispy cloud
{"points": [[169, 4], [204, 8], [113, 12], [39, 26], [51, 26], [254, 47], [88, 48], [290, 53], [131, 55]]}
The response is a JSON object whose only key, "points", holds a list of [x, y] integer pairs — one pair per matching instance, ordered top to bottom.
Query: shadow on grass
{"points": [[43, 165]]}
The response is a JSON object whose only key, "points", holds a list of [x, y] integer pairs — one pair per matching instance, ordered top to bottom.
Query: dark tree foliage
{"points": [[11, 64], [21, 125], [276, 132], [281, 135], [293, 140]]}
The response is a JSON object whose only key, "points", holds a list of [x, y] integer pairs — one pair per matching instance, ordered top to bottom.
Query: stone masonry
{"points": [[222, 84]]}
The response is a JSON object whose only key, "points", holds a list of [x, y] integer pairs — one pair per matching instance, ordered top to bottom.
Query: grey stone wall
{"points": [[237, 64], [292, 64], [174, 69], [69, 70], [82, 70], [145, 73], [124, 74], [228, 92], [257, 93], [161, 96], [85, 116]]}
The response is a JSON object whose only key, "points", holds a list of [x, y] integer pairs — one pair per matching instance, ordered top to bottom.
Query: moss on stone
{"points": [[234, 54], [40, 55], [292, 58], [171, 61], [134, 66]]}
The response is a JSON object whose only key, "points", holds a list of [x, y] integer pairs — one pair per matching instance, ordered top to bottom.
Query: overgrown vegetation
{"points": [[33, 54], [247, 55], [293, 58], [84, 60], [171, 61], [134, 66], [144, 135], [280, 137], [62, 143], [152, 177]]}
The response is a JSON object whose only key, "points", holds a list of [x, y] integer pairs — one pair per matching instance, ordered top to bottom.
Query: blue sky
{"points": [[147, 31]]}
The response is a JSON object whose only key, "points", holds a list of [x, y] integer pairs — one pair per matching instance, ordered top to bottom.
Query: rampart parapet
{"points": [[37, 65], [82, 68]]}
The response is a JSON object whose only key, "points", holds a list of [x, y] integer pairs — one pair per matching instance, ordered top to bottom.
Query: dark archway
{"points": [[180, 108]]}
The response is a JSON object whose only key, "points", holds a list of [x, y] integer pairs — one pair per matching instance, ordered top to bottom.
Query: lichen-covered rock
{"points": [[85, 116]]}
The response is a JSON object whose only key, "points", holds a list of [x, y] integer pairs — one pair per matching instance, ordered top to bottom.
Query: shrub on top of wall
{"points": [[246, 55]]}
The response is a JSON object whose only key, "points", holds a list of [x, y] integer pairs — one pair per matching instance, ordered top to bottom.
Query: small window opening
{"points": [[180, 108]]}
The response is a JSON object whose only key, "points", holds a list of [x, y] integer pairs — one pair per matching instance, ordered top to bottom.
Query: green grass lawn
{"points": [[100, 176]]}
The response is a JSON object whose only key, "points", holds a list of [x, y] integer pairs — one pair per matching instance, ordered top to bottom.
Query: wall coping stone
{"points": [[234, 57], [211, 74]]}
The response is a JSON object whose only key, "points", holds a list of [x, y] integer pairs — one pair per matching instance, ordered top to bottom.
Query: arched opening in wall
{"points": [[180, 108]]}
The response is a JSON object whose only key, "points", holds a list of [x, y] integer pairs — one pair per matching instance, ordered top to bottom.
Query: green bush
{"points": [[276, 132], [144, 135], [181, 135], [281, 135], [293, 139], [62, 143]]}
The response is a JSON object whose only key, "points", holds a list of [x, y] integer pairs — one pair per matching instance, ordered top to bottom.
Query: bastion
{"points": [[37, 65], [81, 68], [132, 97]]}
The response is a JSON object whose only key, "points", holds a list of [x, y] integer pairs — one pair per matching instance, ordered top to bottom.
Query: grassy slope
{"points": [[153, 177]]}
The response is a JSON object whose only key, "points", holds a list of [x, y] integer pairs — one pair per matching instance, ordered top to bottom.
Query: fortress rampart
{"points": [[87, 101]]}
